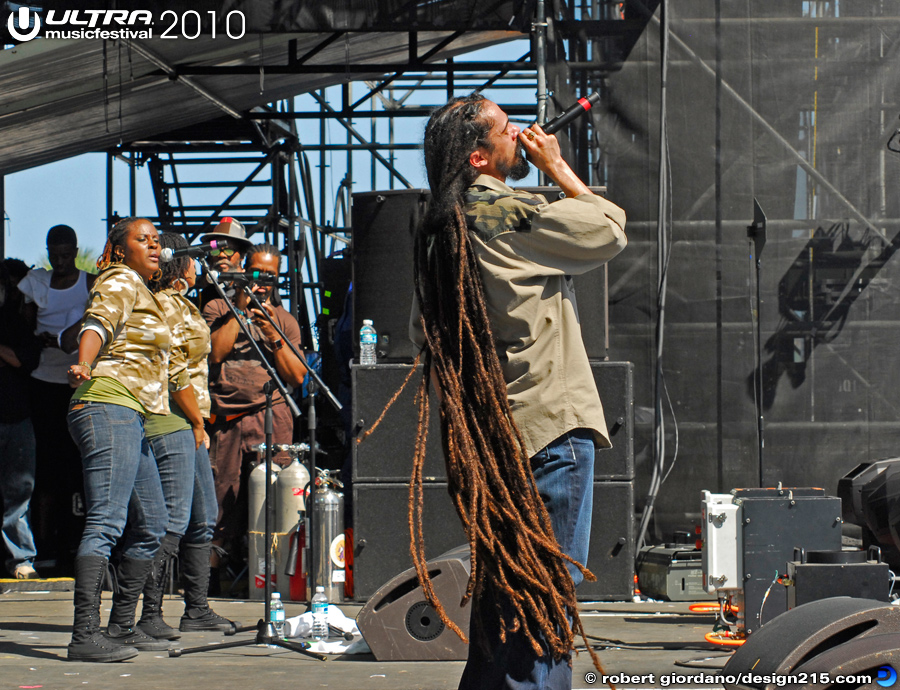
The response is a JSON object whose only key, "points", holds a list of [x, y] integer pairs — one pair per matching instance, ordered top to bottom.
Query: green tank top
{"points": [[106, 389], [163, 424]]}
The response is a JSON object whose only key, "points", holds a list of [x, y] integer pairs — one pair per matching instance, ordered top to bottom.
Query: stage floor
{"points": [[646, 639]]}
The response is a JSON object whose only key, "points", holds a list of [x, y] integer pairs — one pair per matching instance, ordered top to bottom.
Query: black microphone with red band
{"points": [[581, 106]]}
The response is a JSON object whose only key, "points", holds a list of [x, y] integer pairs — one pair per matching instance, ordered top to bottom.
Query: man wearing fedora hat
{"points": [[226, 258]]}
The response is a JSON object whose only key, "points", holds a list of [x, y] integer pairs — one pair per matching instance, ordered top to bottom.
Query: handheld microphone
{"points": [[581, 106], [169, 254], [246, 277]]}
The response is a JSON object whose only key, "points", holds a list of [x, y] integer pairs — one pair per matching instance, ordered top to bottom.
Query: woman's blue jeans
{"points": [[174, 455], [117, 463], [564, 474], [188, 486], [204, 508]]}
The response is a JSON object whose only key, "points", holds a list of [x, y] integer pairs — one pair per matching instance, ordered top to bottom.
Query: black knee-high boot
{"points": [[195, 573], [131, 576], [152, 622], [88, 642]]}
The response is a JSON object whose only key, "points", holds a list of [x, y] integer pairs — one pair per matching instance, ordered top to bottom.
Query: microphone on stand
{"points": [[579, 108], [169, 254], [245, 277]]}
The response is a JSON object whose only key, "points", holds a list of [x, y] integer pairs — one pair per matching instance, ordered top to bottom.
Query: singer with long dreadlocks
{"points": [[496, 317]]}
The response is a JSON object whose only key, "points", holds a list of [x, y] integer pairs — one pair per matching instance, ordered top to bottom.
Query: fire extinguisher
{"points": [[290, 489], [256, 503], [328, 535], [296, 567]]}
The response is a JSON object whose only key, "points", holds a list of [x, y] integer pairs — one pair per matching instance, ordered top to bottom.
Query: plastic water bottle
{"points": [[368, 341], [320, 614], [276, 615]]}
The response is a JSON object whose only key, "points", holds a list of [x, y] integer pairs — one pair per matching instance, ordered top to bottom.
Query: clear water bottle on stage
{"points": [[368, 341], [320, 614], [276, 615]]}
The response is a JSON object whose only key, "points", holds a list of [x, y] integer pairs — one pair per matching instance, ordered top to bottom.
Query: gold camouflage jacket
{"points": [[189, 329], [136, 337], [178, 347]]}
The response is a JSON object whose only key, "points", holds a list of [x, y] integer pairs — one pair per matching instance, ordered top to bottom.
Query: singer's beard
{"points": [[518, 169]]}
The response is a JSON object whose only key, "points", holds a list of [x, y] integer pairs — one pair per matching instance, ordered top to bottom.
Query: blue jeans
{"points": [[174, 454], [117, 463], [17, 465], [564, 474], [188, 485], [204, 507]]}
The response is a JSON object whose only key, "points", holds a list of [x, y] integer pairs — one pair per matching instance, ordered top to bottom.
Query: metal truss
{"points": [[259, 168]]}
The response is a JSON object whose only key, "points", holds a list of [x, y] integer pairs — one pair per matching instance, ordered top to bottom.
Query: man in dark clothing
{"points": [[19, 355], [236, 380]]}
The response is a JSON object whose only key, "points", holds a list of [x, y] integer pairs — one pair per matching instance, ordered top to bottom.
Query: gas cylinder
{"points": [[291, 488], [256, 500], [328, 535]]}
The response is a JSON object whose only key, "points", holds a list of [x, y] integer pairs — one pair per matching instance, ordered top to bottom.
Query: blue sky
{"points": [[72, 192]]}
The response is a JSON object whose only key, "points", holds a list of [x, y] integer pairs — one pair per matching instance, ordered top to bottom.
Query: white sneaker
{"points": [[24, 571]]}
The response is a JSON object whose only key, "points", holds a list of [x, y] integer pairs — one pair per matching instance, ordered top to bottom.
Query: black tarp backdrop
{"points": [[808, 99]]}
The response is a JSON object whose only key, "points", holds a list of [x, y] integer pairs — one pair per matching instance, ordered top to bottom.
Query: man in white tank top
{"points": [[54, 302]]}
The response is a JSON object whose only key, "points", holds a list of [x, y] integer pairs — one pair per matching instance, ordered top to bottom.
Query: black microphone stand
{"points": [[313, 387], [265, 630]]}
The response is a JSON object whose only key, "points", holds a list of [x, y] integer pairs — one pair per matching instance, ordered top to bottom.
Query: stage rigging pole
{"points": [[539, 36]]}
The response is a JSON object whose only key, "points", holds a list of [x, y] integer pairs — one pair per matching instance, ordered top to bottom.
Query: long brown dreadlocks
{"points": [[489, 476]]}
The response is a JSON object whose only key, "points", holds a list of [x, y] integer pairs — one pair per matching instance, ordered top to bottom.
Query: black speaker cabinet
{"points": [[384, 224], [383, 227], [615, 384], [386, 454], [381, 532], [381, 535], [611, 556], [399, 625], [840, 635]]}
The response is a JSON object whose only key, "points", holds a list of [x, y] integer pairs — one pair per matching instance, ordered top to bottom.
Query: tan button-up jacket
{"points": [[528, 250]]}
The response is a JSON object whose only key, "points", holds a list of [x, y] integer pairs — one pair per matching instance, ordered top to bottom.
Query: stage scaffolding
{"points": [[273, 167]]}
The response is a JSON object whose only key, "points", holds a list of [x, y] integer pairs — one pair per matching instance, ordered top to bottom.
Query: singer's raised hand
{"points": [[542, 148], [543, 151]]}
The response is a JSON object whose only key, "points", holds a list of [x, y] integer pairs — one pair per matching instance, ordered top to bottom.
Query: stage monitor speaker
{"points": [[384, 224], [386, 454], [381, 536], [399, 625], [840, 635]]}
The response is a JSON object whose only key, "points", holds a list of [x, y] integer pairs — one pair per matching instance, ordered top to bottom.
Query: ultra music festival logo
{"points": [[25, 24]]}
